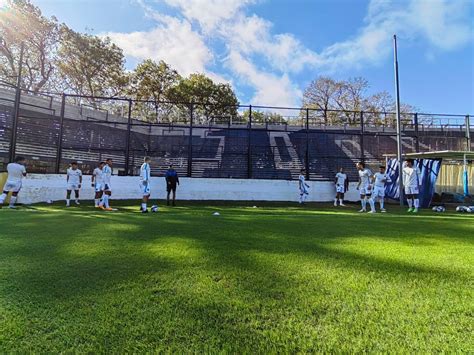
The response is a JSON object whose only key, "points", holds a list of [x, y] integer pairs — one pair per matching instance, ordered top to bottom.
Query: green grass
{"points": [[273, 279]]}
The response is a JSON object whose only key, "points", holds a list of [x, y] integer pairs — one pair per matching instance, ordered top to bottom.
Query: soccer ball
{"points": [[49, 202], [154, 208], [435, 208], [440, 209], [462, 209], [470, 209], [216, 214]]}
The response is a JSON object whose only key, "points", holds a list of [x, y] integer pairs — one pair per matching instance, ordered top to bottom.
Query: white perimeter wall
{"points": [[40, 188]]}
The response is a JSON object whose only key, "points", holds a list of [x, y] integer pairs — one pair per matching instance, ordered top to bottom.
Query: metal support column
{"points": [[16, 107], [362, 130], [399, 132], [468, 133], [60, 135], [417, 139], [190, 142], [127, 144], [249, 145], [307, 145]]}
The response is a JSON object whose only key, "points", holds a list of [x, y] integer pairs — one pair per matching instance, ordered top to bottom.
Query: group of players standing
{"points": [[101, 182], [372, 186]]}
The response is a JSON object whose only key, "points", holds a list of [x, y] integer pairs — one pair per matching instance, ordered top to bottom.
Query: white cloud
{"points": [[173, 41], [259, 57], [270, 89]]}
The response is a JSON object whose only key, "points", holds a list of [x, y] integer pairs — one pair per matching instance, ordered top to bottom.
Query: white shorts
{"points": [[13, 186], [73, 186], [145, 188], [340, 189], [365, 190], [411, 190], [378, 192]]}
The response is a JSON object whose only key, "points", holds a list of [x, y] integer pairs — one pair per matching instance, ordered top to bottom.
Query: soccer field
{"points": [[278, 278]]}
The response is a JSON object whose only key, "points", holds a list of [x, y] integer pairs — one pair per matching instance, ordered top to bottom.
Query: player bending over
{"points": [[16, 172], [145, 176], [380, 179], [172, 180], [74, 182], [98, 182], [411, 183], [342, 185], [303, 187], [106, 188], [365, 188]]}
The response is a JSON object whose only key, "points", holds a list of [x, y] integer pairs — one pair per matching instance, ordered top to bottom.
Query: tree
{"points": [[23, 23], [90, 65], [152, 81], [320, 94], [212, 100], [261, 117]]}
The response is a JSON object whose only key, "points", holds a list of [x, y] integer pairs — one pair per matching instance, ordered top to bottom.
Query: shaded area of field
{"points": [[273, 278]]}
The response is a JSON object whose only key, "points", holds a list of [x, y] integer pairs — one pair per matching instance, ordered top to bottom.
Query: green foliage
{"points": [[23, 22], [90, 65], [213, 100], [275, 279]]}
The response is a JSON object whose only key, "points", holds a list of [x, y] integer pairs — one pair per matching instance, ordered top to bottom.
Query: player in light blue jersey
{"points": [[145, 176], [380, 179], [303, 187]]}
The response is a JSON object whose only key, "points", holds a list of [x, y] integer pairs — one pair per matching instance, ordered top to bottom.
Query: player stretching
{"points": [[16, 172], [145, 176], [380, 179], [172, 180], [74, 182], [411, 182], [98, 183], [342, 185], [303, 186], [364, 187], [106, 188]]}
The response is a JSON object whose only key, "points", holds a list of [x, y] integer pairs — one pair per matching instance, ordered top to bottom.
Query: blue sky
{"points": [[269, 50]]}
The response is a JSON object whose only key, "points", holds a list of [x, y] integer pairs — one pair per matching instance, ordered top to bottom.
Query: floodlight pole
{"points": [[397, 110]]}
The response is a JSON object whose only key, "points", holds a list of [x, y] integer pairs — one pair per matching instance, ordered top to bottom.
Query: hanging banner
{"points": [[429, 170]]}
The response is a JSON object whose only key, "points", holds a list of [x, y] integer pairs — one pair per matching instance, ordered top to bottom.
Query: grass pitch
{"points": [[272, 279]]}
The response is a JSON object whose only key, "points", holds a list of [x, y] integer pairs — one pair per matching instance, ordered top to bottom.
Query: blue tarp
{"points": [[429, 169]]}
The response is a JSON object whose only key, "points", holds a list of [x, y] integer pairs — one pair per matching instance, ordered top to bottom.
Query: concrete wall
{"points": [[40, 188]]}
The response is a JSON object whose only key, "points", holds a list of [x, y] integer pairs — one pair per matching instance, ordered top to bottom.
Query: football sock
{"points": [[3, 197], [12, 200], [96, 201], [106, 201], [341, 201], [67, 202], [363, 203], [382, 203], [410, 203], [417, 203], [372, 204], [143, 206]]}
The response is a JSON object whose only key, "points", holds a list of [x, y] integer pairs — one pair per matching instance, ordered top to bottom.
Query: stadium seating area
{"points": [[276, 152]]}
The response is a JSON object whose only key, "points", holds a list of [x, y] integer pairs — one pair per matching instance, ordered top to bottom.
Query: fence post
{"points": [[16, 107], [362, 130], [468, 133], [60, 135], [417, 140], [190, 143], [127, 144], [249, 145], [307, 145]]}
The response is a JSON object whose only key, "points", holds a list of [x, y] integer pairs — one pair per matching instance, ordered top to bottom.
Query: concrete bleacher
{"points": [[220, 151]]}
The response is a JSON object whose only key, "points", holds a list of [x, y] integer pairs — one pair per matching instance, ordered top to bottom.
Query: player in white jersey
{"points": [[16, 172], [145, 176], [380, 179], [74, 182], [98, 182], [411, 182], [342, 185], [303, 187], [365, 187], [106, 188]]}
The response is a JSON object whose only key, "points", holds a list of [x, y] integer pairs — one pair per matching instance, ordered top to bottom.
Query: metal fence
{"points": [[203, 140]]}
